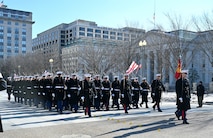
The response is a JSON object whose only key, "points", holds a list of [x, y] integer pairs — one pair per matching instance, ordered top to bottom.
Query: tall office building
{"points": [[15, 32], [50, 42]]}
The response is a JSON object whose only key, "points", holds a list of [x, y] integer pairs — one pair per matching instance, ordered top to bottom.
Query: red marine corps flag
{"points": [[132, 67], [178, 70]]}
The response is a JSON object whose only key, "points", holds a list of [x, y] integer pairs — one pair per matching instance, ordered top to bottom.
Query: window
{"points": [[1, 21], [9, 22], [16, 23], [81, 29], [89, 30], [97, 31], [105, 32], [81, 33], [112, 33], [119, 34], [89, 35], [97, 35], [105, 36], [112, 37], [120, 38]]}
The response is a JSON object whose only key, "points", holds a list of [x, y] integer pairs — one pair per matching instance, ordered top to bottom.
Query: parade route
{"points": [[24, 121]]}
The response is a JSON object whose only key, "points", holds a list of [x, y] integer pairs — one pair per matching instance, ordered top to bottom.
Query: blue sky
{"points": [[109, 13]]}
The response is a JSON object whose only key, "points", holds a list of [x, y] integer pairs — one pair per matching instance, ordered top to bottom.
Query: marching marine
{"points": [[58, 87], [115, 92], [125, 92], [135, 92], [144, 92]]}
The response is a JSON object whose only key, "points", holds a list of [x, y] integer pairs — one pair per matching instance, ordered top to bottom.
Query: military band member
{"points": [[58, 86], [106, 87], [157, 88], [98, 92], [115, 92], [125, 92], [135, 92], [144, 92], [86, 94], [183, 95]]}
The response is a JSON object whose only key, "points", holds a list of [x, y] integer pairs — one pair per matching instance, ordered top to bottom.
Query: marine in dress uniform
{"points": [[58, 86], [9, 87], [106, 87], [157, 88], [48, 89], [72, 92], [97, 92], [115, 92], [125, 92], [135, 92], [144, 92], [86, 94], [183, 95]]}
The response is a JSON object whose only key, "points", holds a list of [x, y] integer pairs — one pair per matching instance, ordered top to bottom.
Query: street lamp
{"points": [[143, 44], [51, 64], [19, 67]]}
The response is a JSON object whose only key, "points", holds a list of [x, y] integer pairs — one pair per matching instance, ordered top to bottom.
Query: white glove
{"points": [[65, 88], [79, 88], [132, 88], [53, 94], [132, 94], [69, 95], [113, 95], [122, 95], [96, 96], [82, 98], [181, 99]]}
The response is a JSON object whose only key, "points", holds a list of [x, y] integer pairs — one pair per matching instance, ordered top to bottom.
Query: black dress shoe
{"points": [[153, 107], [159, 110], [178, 117], [185, 122]]}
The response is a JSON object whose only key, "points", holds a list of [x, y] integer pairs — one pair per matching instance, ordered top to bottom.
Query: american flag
{"points": [[133, 67]]}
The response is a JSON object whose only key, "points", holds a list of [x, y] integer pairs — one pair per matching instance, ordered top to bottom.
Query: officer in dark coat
{"points": [[58, 86], [106, 87], [157, 88], [72, 92], [97, 92], [115, 92], [125, 92], [135, 92], [144, 92], [200, 93], [86, 94], [183, 95]]}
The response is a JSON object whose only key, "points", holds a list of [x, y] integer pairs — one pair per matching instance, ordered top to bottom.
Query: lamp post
{"points": [[143, 44], [51, 64], [19, 67]]}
